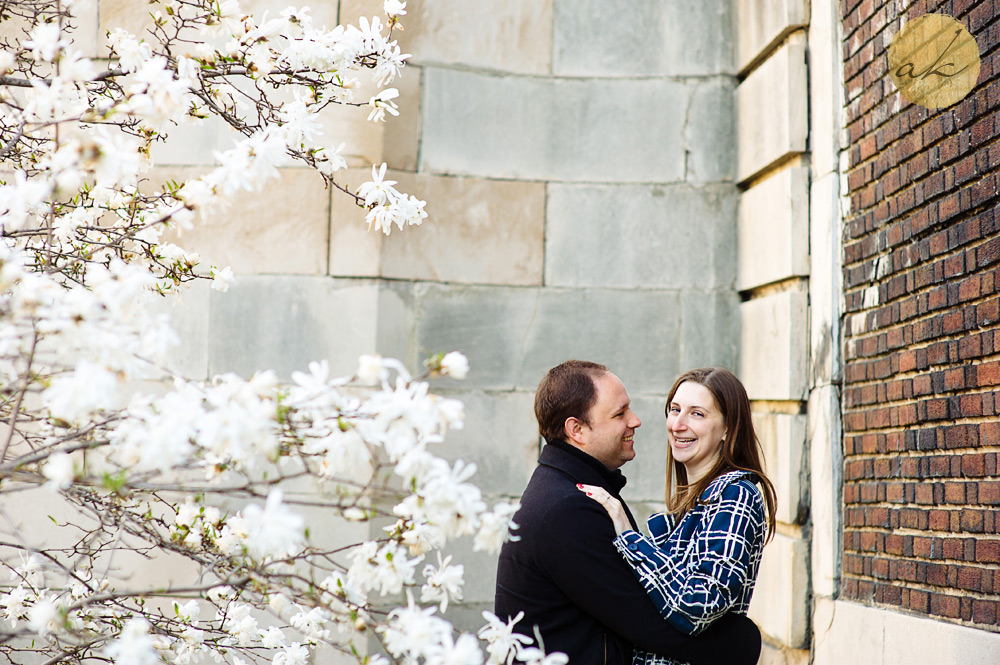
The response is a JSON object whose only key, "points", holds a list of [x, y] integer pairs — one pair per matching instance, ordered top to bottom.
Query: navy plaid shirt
{"points": [[706, 565]]}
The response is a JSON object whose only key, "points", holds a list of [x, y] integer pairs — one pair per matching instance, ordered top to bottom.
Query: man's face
{"points": [[608, 437]]}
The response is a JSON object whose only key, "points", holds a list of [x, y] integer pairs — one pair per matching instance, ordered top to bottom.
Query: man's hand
{"points": [[610, 503]]}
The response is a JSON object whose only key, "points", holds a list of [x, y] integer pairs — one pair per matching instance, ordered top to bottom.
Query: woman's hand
{"points": [[610, 503]]}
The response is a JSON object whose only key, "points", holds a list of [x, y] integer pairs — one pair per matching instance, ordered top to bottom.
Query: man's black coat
{"points": [[566, 576]]}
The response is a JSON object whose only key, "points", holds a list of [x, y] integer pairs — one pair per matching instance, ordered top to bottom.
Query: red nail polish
{"points": [[579, 486]]}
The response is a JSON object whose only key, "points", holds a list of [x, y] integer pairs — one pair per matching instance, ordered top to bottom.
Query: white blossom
{"points": [[455, 365], [59, 470], [274, 531], [444, 583], [14, 604], [44, 616], [503, 644], [134, 645], [294, 654]]}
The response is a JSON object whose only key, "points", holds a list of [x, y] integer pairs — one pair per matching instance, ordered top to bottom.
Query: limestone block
{"points": [[762, 24], [499, 35], [84, 36], [641, 38], [826, 87], [772, 107], [553, 129], [710, 131], [401, 135], [364, 140], [194, 143], [282, 229], [774, 229], [477, 231], [640, 236], [354, 250], [825, 288], [188, 312], [284, 323], [710, 330], [512, 336], [396, 337], [773, 346], [500, 437], [783, 438], [647, 472], [825, 480], [480, 575], [780, 605], [852, 633], [774, 655]]}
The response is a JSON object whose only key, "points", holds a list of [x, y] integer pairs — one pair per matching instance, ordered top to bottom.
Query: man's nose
{"points": [[635, 422]]}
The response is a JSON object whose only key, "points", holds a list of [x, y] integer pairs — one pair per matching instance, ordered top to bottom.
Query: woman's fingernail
{"points": [[579, 486], [590, 494]]}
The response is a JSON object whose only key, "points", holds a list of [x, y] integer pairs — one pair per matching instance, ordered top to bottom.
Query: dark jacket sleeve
{"points": [[581, 558]]}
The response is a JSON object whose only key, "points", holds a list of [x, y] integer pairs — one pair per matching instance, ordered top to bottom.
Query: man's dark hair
{"points": [[566, 391]]}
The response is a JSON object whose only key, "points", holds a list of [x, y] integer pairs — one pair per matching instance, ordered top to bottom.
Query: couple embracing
{"points": [[596, 588]]}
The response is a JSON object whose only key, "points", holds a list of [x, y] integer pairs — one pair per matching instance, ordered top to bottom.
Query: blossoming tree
{"points": [[150, 465]]}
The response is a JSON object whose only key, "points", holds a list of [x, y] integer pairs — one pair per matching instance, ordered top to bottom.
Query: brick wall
{"points": [[921, 275]]}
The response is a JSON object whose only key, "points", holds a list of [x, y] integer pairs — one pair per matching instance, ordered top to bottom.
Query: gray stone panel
{"points": [[641, 38], [772, 111], [552, 129], [710, 131], [641, 236], [188, 312], [283, 323], [710, 330], [513, 336], [500, 436], [647, 472]]}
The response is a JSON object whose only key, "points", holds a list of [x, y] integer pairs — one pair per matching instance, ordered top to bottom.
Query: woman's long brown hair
{"points": [[740, 451]]}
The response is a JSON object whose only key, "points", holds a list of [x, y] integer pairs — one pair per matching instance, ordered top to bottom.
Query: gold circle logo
{"points": [[934, 61]]}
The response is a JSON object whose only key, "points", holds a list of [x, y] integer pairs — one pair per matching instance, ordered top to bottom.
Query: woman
{"points": [[701, 558]]}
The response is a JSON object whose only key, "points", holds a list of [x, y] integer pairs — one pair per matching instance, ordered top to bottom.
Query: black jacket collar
{"points": [[580, 465]]}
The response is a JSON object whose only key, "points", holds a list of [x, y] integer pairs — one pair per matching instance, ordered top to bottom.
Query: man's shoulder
{"points": [[551, 497]]}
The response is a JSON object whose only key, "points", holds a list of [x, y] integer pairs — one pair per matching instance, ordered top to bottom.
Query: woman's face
{"points": [[695, 429]]}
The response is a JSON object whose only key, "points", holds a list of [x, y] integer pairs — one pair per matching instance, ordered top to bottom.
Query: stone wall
{"points": [[578, 162], [773, 171], [922, 331]]}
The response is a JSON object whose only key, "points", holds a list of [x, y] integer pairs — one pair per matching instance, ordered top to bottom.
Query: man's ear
{"points": [[574, 431]]}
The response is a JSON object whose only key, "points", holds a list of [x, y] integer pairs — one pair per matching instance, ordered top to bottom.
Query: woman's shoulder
{"points": [[732, 484]]}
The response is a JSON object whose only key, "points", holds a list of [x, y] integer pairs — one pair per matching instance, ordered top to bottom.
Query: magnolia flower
{"points": [[394, 8], [44, 42], [382, 102], [222, 279], [455, 365], [371, 370], [59, 470], [187, 513], [496, 527], [274, 531], [444, 583], [14, 604], [44, 615], [503, 644], [134, 645], [295, 654]]}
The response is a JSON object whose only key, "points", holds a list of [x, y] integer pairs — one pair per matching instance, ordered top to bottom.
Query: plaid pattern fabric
{"points": [[704, 566]]}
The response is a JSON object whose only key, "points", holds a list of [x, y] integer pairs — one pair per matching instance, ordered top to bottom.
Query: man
{"points": [[564, 572]]}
